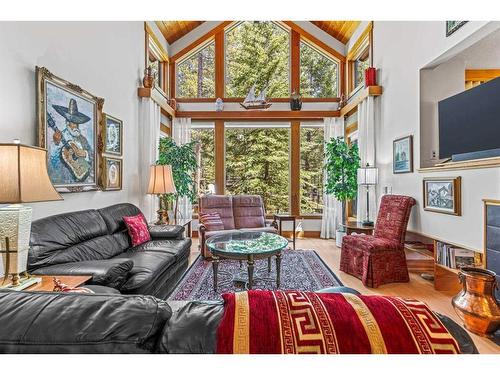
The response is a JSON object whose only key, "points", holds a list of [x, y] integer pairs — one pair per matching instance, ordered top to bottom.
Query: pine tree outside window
{"points": [[196, 74]]}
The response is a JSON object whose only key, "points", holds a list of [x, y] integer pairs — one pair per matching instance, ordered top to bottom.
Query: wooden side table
{"points": [[280, 218], [185, 223], [358, 227], [47, 284]]}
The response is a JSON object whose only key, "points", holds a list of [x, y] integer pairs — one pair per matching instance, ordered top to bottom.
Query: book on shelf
{"points": [[454, 257]]}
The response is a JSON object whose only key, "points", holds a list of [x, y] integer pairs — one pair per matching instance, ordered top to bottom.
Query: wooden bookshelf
{"points": [[445, 278]]}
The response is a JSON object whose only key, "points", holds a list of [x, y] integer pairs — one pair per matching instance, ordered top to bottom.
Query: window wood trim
{"points": [[360, 46], [154, 47], [220, 157]]}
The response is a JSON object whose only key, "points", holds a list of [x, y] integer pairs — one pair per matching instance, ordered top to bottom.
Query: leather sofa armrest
{"points": [[160, 232], [108, 272]]}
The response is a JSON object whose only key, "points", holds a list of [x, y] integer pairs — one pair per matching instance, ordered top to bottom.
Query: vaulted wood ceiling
{"points": [[173, 30], [340, 30]]}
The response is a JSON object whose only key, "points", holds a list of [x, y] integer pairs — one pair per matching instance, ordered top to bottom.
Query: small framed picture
{"points": [[112, 135], [402, 155], [112, 173], [443, 194]]}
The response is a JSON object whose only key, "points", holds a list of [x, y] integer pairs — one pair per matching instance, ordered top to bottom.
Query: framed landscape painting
{"points": [[68, 127], [112, 135], [402, 155], [111, 176], [443, 194]]}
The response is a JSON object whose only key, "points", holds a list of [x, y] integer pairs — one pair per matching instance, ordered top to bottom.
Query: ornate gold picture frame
{"points": [[69, 121]]}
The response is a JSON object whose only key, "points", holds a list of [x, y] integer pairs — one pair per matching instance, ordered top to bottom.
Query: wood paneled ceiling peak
{"points": [[174, 30], [340, 30]]}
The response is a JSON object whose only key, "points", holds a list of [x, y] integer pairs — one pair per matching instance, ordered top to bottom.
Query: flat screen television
{"points": [[469, 123]]}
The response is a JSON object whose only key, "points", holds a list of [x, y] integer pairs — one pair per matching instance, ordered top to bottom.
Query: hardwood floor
{"points": [[417, 288]]}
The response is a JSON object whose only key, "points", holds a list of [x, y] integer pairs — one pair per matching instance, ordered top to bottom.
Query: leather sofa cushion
{"points": [[222, 204], [248, 211], [113, 216], [158, 232], [51, 235], [178, 248], [148, 266], [108, 272], [100, 289], [40, 322], [192, 328]]}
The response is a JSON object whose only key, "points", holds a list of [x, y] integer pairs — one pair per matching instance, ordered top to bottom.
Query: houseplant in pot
{"points": [[182, 158], [341, 166]]}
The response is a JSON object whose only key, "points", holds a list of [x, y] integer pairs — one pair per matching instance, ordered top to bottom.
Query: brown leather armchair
{"points": [[238, 212]]}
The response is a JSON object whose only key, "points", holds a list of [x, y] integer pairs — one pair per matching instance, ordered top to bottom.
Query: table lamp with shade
{"points": [[23, 171], [367, 176], [161, 181]]}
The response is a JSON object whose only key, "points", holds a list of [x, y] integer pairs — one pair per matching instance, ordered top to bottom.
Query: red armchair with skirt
{"points": [[237, 212], [380, 259]]}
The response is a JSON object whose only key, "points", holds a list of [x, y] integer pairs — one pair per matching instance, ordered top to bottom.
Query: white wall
{"points": [[401, 49], [105, 58]]}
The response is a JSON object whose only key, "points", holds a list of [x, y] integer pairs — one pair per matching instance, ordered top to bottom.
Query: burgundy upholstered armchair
{"points": [[238, 212], [380, 259]]}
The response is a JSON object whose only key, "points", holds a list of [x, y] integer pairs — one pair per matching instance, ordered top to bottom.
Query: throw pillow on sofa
{"points": [[212, 221], [137, 229]]}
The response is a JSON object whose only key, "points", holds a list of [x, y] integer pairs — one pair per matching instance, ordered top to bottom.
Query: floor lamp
{"points": [[367, 176]]}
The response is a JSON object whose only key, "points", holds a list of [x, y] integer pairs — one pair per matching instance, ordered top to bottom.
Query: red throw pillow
{"points": [[212, 221], [137, 229]]}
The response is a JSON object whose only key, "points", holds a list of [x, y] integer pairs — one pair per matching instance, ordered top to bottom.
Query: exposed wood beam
{"points": [[201, 40], [325, 47], [171, 79], [363, 94], [157, 97], [240, 100], [257, 115], [220, 168], [295, 168]]}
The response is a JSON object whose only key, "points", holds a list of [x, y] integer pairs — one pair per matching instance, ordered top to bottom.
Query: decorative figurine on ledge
{"points": [[149, 79], [295, 101], [255, 102], [342, 102], [219, 105]]}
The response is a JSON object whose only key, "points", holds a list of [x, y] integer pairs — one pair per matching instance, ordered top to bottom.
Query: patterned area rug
{"points": [[300, 270]]}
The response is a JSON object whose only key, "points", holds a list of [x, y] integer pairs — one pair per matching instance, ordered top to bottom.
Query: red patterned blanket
{"points": [[291, 322]]}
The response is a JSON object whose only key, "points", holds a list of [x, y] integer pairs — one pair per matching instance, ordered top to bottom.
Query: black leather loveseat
{"points": [[96, 242], [39, 322]]}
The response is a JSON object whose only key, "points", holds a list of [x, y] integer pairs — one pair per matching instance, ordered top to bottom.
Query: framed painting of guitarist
{"points": [[68, 127]]}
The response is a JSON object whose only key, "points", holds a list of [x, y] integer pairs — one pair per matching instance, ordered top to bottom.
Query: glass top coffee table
{"points": [[249, 246]]}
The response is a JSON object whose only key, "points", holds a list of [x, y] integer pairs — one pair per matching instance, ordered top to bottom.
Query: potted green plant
{"points": [[182, 158], [341, 167]]}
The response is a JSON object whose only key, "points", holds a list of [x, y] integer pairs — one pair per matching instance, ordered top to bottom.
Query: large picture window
{"points": [[257, 53], [319, 73], [196, 74], [203, 133], [257, 162], [311, 169]]}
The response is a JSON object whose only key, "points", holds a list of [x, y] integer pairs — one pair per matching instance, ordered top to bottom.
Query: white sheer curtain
{"points": [[149, 133], [181, 135], [366, 143], [332, 208]]}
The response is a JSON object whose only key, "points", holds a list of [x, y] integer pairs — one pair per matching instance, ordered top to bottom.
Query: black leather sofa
{"points": [[96, 242], [39, 322]]}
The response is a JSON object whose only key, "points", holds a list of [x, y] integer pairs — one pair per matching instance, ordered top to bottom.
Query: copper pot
{"points": [[149, 78], [476, 304]]}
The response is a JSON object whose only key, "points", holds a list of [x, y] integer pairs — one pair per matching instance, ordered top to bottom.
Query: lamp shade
{"points": [[23, 170], [368, 176], [161, 180]]}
